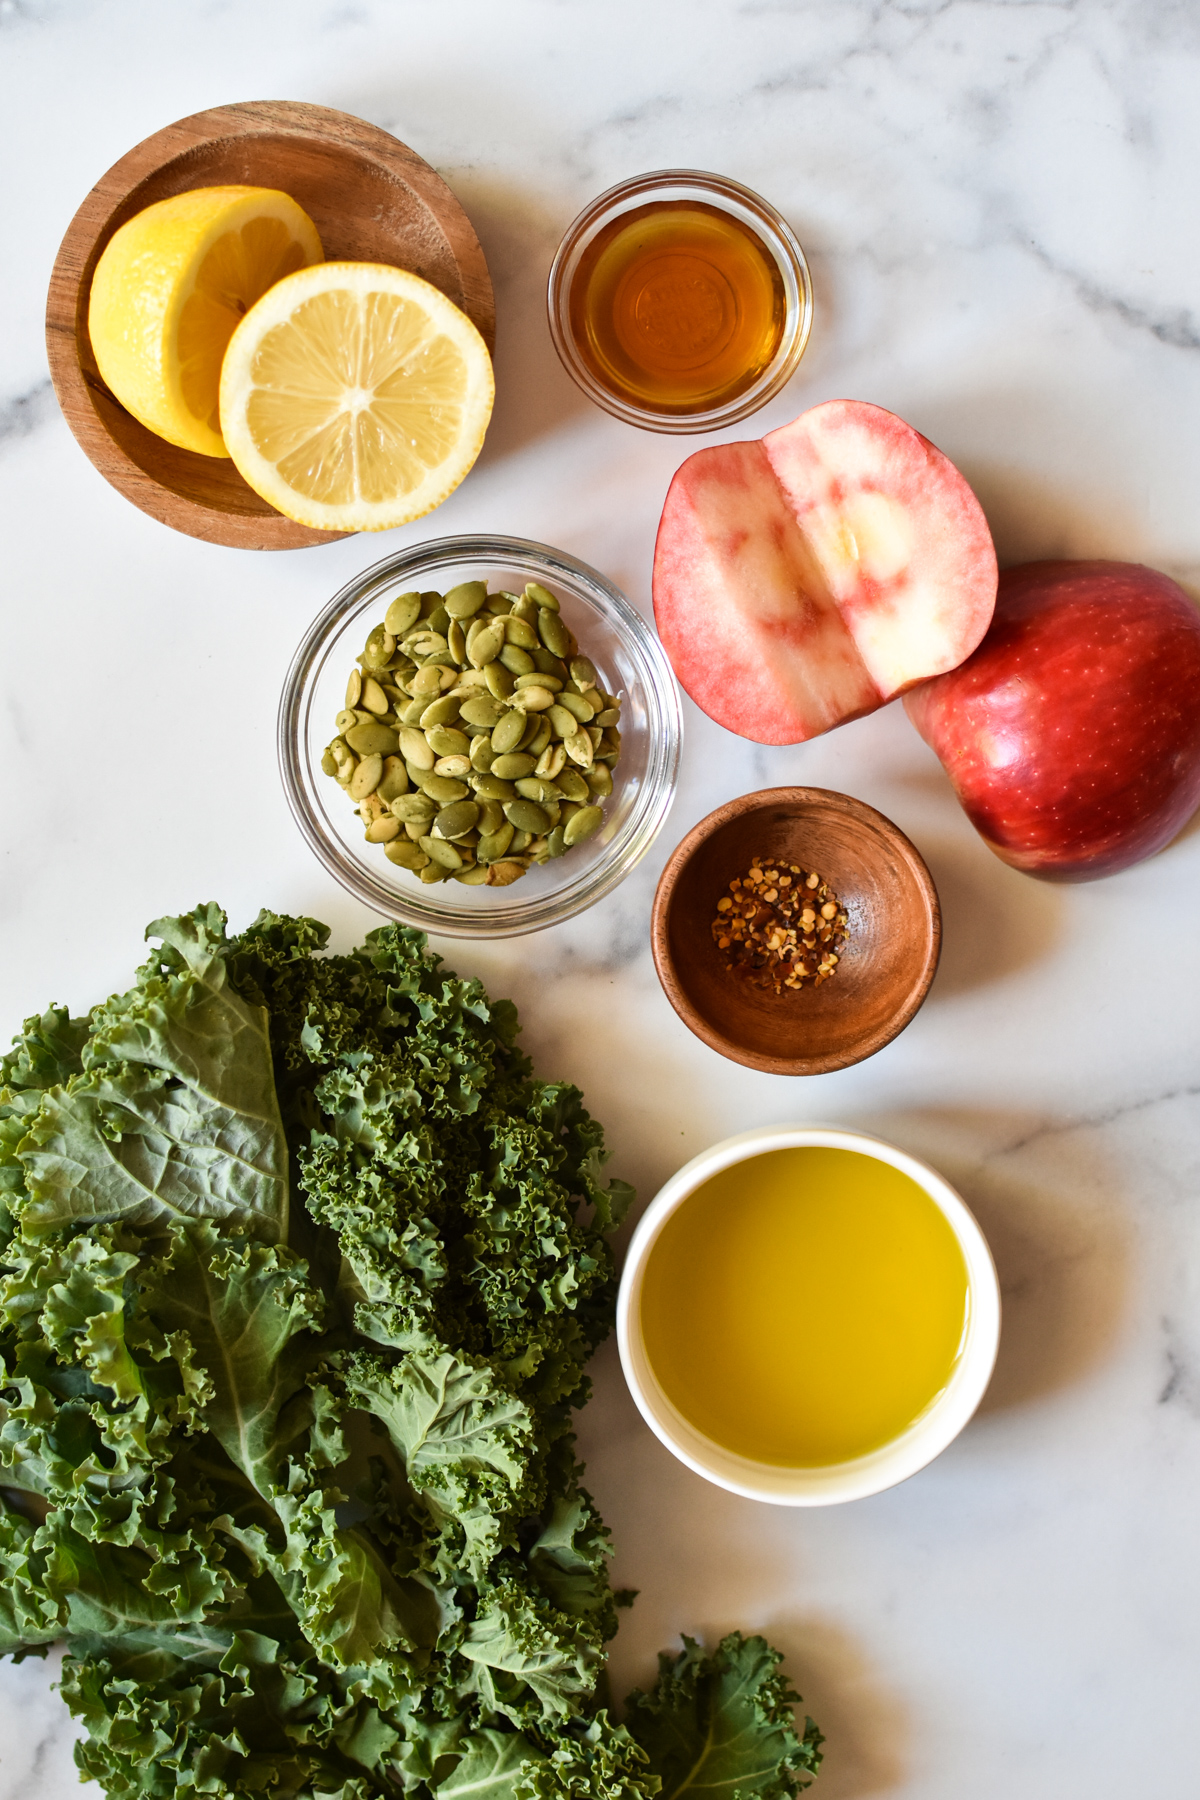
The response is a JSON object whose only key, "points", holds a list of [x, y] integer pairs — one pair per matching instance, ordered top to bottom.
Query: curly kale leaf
{"points": [[721, 1727]]}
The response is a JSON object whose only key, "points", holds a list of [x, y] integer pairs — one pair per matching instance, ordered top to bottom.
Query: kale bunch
{"points": [[300, 1270]]}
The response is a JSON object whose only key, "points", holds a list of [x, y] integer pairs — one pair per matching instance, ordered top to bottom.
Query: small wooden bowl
{"points": [[371, 198], [891, 951]]}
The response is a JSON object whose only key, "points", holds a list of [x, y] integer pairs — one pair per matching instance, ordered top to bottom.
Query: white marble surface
{"points": [[999, 204]]}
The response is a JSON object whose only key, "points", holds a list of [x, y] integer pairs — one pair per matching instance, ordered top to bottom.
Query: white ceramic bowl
{"points": [[926, 1438]]}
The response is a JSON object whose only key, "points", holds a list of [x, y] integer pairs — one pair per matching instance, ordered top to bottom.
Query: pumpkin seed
{"points": [[541, 597], [465, 600], [402, 614], [520, 632], [554, 634], [485, 643], [378, 649], [500, 682], [533, 699], [483, 704], [577, 706], [440, 712], [483, 712], [508, 732], [370, 740], [445, 742], [416, 748], [580, 749], [514, 765], [366, 777], [394, 780], [493, 787], [532, 787], [443, 790], [410, 808], [527, 815], [455, 821], [582, 825], [493, 844], [441, 852], [405, 853], [503, 874]]}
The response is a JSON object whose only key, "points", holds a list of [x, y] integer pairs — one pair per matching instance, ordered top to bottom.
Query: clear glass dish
{"points": [[751, 211], [631, 664]]}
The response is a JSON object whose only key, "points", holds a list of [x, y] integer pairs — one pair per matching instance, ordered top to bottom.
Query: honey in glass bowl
{"points": [[680, 301], [677, 306]]}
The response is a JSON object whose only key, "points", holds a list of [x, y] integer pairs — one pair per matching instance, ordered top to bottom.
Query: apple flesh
{"points": [[809, 576], [1072, 735]]}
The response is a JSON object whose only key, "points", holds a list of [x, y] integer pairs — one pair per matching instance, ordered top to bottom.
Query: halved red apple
{"points": [[809, 576]]}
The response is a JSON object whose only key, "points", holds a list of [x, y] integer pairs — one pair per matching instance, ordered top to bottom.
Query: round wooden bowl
{"points": [[371, 198], [890, 956]]}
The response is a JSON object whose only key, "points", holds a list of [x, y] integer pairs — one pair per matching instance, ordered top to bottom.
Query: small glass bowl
{"points": [[742, 204], [631, 665]]}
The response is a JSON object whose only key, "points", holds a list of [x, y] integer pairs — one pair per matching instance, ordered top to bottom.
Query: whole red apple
{"points": [[1072, 735]]}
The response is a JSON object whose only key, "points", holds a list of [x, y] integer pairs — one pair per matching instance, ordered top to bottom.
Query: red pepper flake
{"points": [[780, 926]]}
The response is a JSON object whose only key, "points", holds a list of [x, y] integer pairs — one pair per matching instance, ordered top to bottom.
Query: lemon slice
{"points": [[169, 289], [355, 396]]}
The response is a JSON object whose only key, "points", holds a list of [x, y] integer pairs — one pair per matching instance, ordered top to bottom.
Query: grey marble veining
{"points": [[998, 201]]}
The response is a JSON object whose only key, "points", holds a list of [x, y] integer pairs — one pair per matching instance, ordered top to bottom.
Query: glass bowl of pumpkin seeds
{"points": [[479, 736]]}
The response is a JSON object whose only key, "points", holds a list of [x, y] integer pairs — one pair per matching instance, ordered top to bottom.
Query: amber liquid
{"points": [[676, 307]]}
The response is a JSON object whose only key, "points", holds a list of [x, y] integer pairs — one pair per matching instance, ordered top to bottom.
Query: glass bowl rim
{"points": [[779, 238], [517, 917]]}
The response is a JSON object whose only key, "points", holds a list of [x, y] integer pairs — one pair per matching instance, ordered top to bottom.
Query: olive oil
{"points": [[677, 307], [804, 1307]]}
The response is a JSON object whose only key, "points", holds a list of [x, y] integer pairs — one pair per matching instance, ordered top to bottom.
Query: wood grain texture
{"points": [[371, 198], [887, 963]]}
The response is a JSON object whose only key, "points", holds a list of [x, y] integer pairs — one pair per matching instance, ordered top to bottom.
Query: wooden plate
{"points": [[371, 198], [887, 963]]}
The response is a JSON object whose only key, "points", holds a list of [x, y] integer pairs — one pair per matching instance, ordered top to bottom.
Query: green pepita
{"points": [[541, 596], [465, 600], [402, 614], [554, 634], [516, 660], [500, 682], [354, 687], [483, 712], [508, 732], [372, 740], [444, 741], [416, 748], [514, 765], [366, 777], [394, 780], [493, 787], [443, 790], [412, 808], [527, 815], [455, 821], [582, 825], [493, 844], [438, 850], [406, 854]]}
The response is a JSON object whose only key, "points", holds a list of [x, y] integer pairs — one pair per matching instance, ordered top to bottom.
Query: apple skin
{"points": [[807, 577], [1072, 735]]}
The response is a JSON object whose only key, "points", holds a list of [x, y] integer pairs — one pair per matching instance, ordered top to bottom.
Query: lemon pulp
{"points": [[355, 396], [805, 1306]]}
